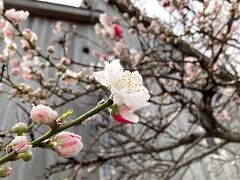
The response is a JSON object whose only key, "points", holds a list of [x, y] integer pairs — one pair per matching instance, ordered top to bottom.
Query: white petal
{"points": [[113, 71], [100, 77], [137, 77], [118, 95], [137, 100], [130, 116]]}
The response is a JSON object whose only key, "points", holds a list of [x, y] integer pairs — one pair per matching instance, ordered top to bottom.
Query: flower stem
{"points": [[50, 133]]}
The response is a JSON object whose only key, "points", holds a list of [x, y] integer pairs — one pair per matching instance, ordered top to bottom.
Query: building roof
{"points": [[55, 11]]}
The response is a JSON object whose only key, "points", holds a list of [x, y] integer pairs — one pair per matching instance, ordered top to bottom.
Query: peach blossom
{"points": [[16, 16], [117, 31], [65, 61], [15, 62], [15, 71], [43, 114], [20, 144], [68, 144], [5, 171]]}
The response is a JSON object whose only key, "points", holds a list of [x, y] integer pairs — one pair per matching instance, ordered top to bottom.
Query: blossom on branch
{"points": [[16, 17], [127, 88], [43, 114], [20, 144], [68, 144], [5, 171]]}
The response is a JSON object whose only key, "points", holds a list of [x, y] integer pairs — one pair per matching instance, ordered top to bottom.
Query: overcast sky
{"points": [[75, 3]]}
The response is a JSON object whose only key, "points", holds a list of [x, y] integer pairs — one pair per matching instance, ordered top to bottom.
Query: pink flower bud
{"points": [[16, 16], [125, 16], [2, 21], [117, 31], [8, 32], [28, 36], [51, 49], [3, 58], [65, 61], [15, 62], [15, 71], [26, 76], [43, 114], [20, 144], [68, 144], [5, 171]]}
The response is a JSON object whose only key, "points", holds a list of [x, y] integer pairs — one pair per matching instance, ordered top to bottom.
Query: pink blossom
{"points": [[125, 15], [16, 17], [105, 20], [2, 23], [117, 31], [8, 32], [29, 37], [119, 48], [51, 49], [102, 56], [3, 58], [65, 61], [15, 62], [59, 65], [15, 71], [26, 76], [43, 114], [125, 114], [20, 144], [68, 144], [5, 171]]}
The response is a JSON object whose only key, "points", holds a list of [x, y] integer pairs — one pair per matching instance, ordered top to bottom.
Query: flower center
{"points": [[127, 81]]}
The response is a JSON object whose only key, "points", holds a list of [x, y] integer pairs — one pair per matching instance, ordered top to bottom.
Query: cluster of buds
{"points": [[30, 39], [20, 143], [66, 144]]}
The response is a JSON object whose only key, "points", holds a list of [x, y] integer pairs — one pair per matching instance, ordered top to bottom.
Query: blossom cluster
{"points": [[127, 88]]}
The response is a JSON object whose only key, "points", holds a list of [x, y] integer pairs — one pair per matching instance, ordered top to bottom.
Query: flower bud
{"points": [[51, 49], [3, 58], [65, 61], [15, 71], [43, 114], [19, 128], [20, 144], [68, 144], [26, 156], [5, 170]]}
